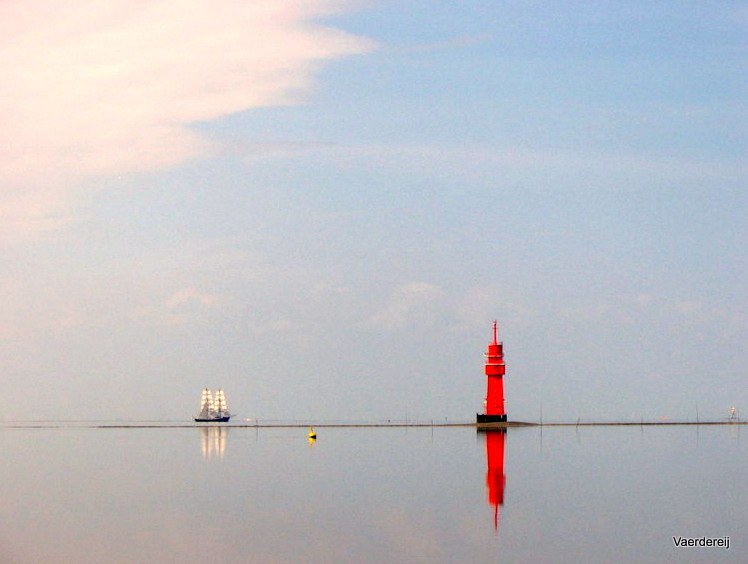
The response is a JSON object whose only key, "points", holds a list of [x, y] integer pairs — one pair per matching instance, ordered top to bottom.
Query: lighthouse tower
{"points": [[494, 411]]}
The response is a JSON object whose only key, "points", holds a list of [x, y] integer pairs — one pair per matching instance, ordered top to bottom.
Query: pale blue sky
{"points": [[323, 213]]}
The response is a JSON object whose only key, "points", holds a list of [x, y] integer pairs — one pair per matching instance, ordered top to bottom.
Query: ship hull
{"points": [[212, 419]]}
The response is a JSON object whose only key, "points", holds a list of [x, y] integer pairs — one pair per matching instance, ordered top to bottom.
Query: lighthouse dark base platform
{"points": [[486, 418]]}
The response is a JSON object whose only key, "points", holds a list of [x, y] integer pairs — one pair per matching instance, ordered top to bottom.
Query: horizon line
{"points": [[276, 423]]}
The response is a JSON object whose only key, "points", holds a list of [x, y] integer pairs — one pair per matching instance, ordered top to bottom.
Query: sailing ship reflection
{"points": [[213, 441], [495, 477]]}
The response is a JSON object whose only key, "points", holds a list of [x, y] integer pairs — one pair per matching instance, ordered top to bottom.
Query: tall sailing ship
{"points": [[213, 407]]}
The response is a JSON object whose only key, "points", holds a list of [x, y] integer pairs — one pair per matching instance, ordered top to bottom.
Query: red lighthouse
{"points": [[494, 411]]}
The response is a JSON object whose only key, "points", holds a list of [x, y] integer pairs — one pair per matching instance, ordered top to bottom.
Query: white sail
{"points": [[206, 404], [222, 408]]}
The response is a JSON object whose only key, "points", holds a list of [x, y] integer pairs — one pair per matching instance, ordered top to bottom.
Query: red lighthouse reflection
{"points": [[495, 477]]}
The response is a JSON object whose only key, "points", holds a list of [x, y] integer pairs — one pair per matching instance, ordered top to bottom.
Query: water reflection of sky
{"points": [[371, 495]]}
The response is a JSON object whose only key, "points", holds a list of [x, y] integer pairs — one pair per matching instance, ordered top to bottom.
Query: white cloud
{"points": [[112, 87], [553, 169], [184, 298], [408, 303], [476, 306], [182, 307]]}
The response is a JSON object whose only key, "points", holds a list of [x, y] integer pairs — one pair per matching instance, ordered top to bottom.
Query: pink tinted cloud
{"points": [[90, 88]]}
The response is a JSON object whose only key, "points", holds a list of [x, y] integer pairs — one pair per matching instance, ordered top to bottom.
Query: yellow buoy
{"points": [[312, 435]]}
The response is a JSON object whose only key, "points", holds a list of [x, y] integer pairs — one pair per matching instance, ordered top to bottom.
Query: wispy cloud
{"points": [[449, 44], [103, 88], [553, 169], [190, 296], [407, 304], [183, 307]]}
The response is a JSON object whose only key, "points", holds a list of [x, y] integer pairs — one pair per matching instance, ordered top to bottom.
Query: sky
{"points": [[322, 206]]}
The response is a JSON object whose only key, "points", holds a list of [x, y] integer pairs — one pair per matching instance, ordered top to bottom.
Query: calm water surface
{"points": [[443, 494]]}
